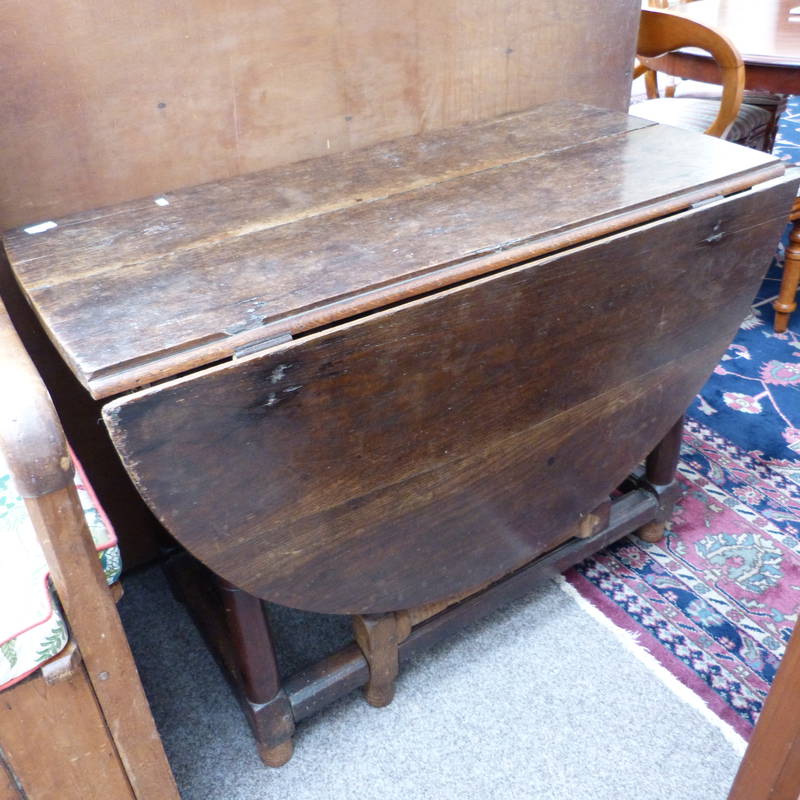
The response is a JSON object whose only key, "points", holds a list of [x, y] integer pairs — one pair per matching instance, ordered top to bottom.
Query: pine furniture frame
{"points": [[80, 727]]}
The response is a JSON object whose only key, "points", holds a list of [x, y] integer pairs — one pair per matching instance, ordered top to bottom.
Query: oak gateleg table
{"points": [[405, 382]]}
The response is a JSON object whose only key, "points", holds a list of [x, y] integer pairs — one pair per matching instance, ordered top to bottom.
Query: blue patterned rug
{"points": [[716, 600]]}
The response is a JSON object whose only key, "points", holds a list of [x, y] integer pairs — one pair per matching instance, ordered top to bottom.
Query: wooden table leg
{"points": [[787, 302], [660, 474], [378, 636], [272, 720]]}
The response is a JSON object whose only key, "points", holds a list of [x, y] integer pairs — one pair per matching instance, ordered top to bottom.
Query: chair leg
{"points": [[651, 84], [786, 302], [660, 474], [378, 636], [270, 712]]}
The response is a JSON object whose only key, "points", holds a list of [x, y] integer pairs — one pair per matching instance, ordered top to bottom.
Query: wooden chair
{"points": [[727, 117], [748, 123], [786, 302], [80, 727]]}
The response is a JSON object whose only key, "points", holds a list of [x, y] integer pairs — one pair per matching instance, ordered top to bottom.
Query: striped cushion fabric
{"points": [[713, 91], [697, 114]]}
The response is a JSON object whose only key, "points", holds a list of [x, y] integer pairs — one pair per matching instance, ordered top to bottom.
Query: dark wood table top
{"points": [[142, 291], [467, 424], [428, 448]]}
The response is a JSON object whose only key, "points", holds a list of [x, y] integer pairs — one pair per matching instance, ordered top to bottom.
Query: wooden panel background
{"points": [[104, 102], [56, 742]]}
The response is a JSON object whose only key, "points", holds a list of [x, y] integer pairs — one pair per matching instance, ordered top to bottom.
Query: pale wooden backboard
{"points": [[104, 102]]}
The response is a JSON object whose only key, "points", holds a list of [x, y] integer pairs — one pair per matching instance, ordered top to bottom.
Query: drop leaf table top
{"points": [[151, 288], [370, 381]]}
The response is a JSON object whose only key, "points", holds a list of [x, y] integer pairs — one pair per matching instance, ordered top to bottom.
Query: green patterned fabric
{"points": [[32, 628]]}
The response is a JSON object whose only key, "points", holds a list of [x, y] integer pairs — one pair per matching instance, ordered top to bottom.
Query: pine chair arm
{"points": [[660, 33], [30, 432], [33, 442]]}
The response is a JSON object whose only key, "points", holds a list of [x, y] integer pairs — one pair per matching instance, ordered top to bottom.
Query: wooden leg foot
{"points": [[787, 302], [781, 321], [660, 479], [652, 532], [378, 637], [379, 696], [265, 702], [276, 756]]}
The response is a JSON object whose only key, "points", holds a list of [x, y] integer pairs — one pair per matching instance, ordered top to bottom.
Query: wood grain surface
{"points": [[104, 103], [142, 292], [34, 446], [423, 450], [81, 586], [56, 742], [770, 769]]}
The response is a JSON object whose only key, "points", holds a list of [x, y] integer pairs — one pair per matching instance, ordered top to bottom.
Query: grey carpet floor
{"points": [[537, 701]]}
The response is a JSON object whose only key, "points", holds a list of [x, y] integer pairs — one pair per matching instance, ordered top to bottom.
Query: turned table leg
{"points": [[786, 302], [660, 475], [378, 636], [270, 711]]}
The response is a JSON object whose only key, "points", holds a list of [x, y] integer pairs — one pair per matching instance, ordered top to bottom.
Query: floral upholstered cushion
{"points": [[32, 629]]}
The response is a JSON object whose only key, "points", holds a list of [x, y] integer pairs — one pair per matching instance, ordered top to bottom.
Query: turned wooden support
{"points": [[787, 302], [663, 460], [660, 469], [378, 636], [258, 671]]}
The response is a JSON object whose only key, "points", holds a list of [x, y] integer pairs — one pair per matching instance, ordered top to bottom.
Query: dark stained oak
{"points": [[139, 230], [139, 293], [380, 384], [398, 459], [661, 463], [138, 532], [243, 614], [318, 685]]}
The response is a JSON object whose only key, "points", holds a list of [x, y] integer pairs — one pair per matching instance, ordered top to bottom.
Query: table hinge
{"points": [[262, 344]]}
